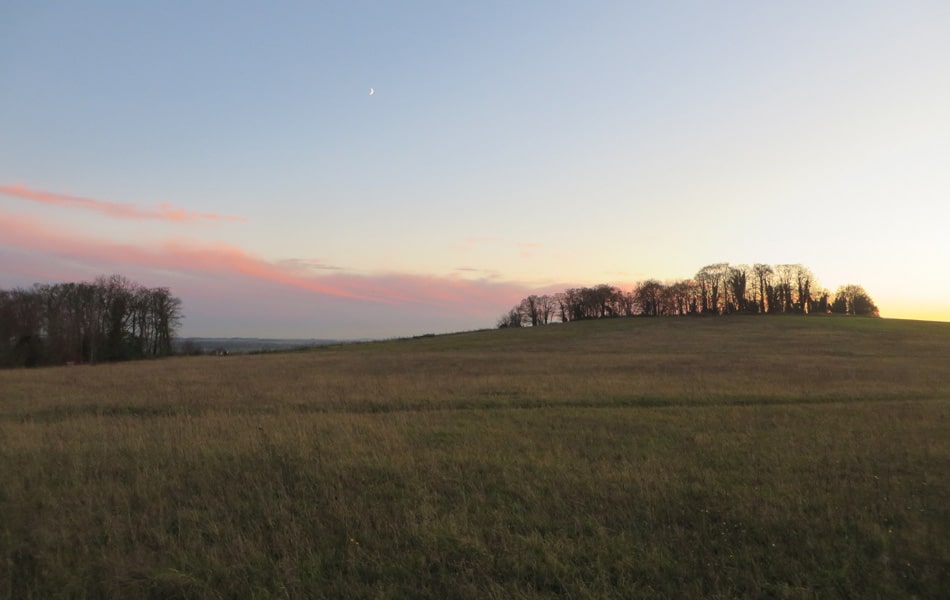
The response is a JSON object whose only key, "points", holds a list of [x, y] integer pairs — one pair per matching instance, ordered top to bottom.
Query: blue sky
{"points": [[507, 148]]}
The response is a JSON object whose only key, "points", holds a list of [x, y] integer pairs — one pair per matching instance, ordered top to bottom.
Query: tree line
{"points": [[716, 289], [108, 319]]}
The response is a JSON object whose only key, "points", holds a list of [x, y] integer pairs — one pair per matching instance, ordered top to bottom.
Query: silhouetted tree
{"points": [[763, 277], [736, 278], [712, 281], [804, 281], [716, 289], [650, 296], [683, 297], [782, 299], [852, 299], [601, 301], [627, 303], [822, 304], [570, 305], [538, 310], [166, 312], [513, 318], [109, 319]]}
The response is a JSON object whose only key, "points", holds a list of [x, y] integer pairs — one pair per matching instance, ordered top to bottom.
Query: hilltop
{"points": [[785, 457]]}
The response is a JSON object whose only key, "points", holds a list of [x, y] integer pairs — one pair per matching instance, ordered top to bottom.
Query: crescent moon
{"points": [[371, 91]]}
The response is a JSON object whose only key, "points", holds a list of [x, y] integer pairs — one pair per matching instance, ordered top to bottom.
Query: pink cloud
{"points": [[164, 212], [23, 232], [528, 249], [309, 263], [468, 296]]}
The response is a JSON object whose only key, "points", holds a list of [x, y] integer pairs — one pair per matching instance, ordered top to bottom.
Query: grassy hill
{"points": [[753, 457]]}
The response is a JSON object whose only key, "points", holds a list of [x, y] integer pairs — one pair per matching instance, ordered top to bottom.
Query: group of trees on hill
{"points": [[716, 289], [109, 319]]}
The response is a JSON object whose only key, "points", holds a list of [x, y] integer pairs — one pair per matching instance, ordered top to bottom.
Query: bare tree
{"points": [[763, 277], [737, 279], [712, 281], [804, 282], [717, 288], [784, 288], [650, 297], [683, 297], [852, 299], [599, 302], [627, 303], [822, 303], [570, 304], [548, 308], [538, 310], [513, 318], [109, 319]]}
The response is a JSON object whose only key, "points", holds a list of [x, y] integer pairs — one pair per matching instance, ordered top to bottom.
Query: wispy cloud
{"points": [[163, 212], [528, 249], [182, 256], [309, 263], [485, 274], [466, 295]]}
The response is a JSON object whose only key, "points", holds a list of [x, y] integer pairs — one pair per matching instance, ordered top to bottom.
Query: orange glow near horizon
{"points": [[470, 296], [917, 313]]}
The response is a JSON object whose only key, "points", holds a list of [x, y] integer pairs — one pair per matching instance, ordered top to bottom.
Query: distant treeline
{"points": [[715, 290], [109, 319]]}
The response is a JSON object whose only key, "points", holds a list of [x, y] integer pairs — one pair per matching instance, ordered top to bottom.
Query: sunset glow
{"points": [[507, 150]]}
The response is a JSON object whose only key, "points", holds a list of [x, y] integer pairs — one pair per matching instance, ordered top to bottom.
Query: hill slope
{"points": [[735, 457]]}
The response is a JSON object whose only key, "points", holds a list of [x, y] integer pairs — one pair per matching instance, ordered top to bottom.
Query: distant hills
{"points": [[240, 345]]}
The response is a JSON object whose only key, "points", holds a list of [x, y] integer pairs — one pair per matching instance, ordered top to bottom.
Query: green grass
{"points": [[658, 458]]}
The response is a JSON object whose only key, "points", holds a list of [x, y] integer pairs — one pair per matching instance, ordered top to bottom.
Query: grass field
{"points": [[743, 457]]}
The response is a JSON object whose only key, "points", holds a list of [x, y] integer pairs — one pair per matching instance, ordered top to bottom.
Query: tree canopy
{"points": [[715, 289], [109, 319]]}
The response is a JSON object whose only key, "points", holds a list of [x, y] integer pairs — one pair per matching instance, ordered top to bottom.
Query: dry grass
{"points": [[720, 458]]}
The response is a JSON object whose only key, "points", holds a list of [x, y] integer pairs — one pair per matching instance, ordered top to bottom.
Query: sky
{"points": [[232, 152]]}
